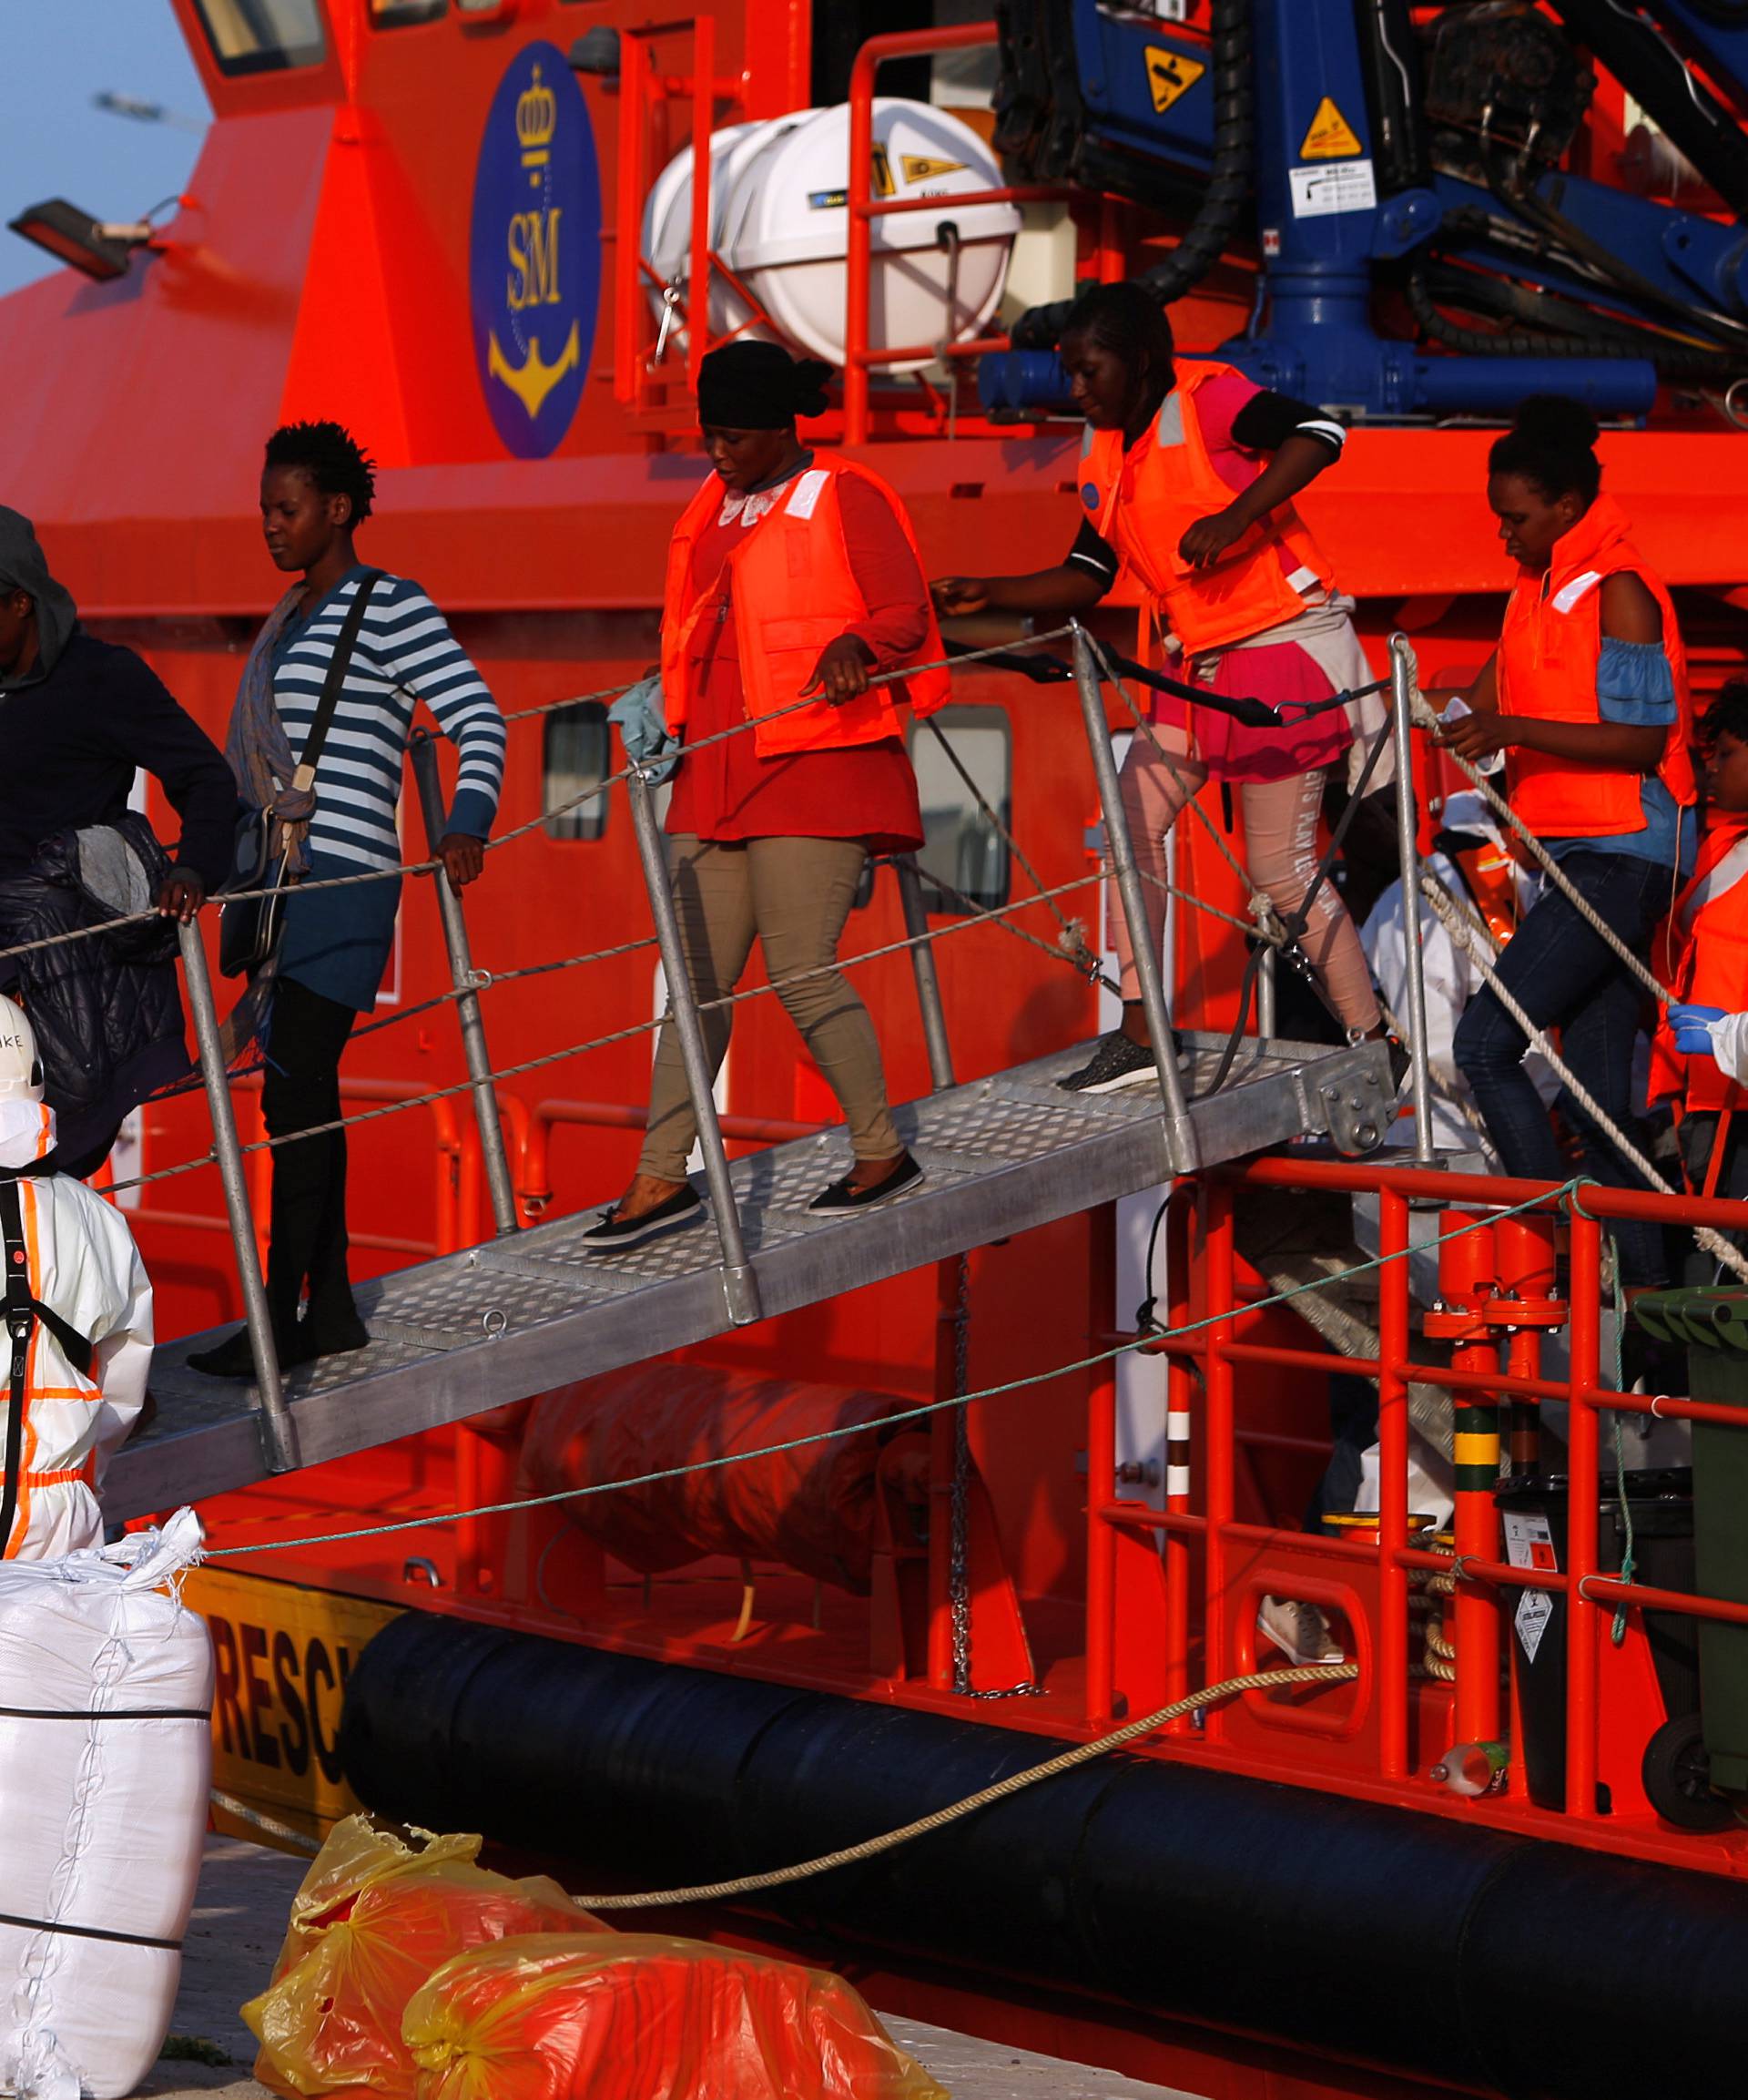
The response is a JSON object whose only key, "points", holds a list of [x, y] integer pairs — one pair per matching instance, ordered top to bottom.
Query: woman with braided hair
{"points": [[1187, 478], [316, 488]]}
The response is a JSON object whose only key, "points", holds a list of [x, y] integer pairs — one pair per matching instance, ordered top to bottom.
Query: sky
{"points": [[54, 143]]}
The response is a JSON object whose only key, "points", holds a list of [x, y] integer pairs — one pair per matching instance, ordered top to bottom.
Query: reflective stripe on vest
{"points": [[1172, 485], [795, 592], [1549, 650], [1711, 920]]}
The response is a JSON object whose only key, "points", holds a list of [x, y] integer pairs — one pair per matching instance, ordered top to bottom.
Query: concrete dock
{"points": [[239, 1920]]}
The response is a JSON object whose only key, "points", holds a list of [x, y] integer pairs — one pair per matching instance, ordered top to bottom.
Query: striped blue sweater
{"points": [[405, 652]]}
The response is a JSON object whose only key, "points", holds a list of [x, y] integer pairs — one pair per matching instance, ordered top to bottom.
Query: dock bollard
{"points": [[278, 1432]]}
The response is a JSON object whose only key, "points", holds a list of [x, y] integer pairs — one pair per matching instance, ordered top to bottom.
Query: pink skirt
{"points": [[1231, 749]]}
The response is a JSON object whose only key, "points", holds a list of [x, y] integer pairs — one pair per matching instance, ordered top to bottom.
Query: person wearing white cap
{"points": [[76, 1323]]}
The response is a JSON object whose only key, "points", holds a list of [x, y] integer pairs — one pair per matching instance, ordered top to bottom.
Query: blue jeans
{"points": [[1564, 976]]}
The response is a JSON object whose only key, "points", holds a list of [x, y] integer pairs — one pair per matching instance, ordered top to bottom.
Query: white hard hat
{"points": [[21, 1069]]}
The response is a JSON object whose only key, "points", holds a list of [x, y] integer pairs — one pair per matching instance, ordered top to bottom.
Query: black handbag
{"points": [[250, 925]]}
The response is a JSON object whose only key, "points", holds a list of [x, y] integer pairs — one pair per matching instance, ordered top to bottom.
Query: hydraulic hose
{"points": [[1223, 200], [1672, 363]]}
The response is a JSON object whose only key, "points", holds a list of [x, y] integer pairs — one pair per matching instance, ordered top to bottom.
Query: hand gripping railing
{"points": [[1180, 1132], [739, 1285]]}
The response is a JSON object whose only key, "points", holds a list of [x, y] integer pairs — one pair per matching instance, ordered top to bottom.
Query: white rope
{"points": [[1425, 719], [1462, 931]]}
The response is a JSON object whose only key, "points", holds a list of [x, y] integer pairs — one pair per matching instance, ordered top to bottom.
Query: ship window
{"points": [[393, 13], [263, 35], [577, 755], [960, 845]]}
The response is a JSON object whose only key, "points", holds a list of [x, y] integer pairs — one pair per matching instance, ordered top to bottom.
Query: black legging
{"points": [[301, 1089]]}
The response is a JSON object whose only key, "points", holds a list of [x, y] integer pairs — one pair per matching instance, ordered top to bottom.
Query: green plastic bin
{"points": [[1712, 1327]]}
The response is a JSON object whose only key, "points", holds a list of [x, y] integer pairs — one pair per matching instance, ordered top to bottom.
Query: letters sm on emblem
{"points": [[534, 265]]}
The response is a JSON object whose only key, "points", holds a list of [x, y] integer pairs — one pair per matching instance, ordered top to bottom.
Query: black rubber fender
{"points": [[1413, 1941]]}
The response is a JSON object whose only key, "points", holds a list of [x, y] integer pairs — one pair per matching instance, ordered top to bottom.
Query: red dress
{"points": [[867, 791]]}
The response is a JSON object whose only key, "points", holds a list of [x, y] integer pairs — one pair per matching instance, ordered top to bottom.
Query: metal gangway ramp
{"points": [[531, 1309], [520, 1315]]}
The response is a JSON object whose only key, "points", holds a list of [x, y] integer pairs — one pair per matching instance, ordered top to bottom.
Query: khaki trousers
{"points": [[795, 895]]}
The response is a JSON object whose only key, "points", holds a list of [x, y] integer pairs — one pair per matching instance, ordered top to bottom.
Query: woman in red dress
{"points": [[791, 579]]}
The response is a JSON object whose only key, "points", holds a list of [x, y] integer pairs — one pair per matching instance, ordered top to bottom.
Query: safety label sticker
{"points": [[1170, 75], [1331, 136], [926, 168], [1340, 186], [1529, 1541], [1535, 1608]]}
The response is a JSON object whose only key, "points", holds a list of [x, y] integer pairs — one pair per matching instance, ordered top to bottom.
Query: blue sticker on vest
{"points": [[534, 269], [1089, 496]]}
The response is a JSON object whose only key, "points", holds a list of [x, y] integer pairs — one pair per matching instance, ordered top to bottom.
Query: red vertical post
{"points": [[703, 106], [628, 235], [859, 254], [1467, 1278], [1180, 1388], [1218, 1440], [1101, 1476], [940, 1482], [1392, 1486], [1582, 1516]]}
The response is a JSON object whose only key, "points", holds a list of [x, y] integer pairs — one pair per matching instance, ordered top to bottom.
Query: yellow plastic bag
{"points": [[374, 1917], [638, 2016]]}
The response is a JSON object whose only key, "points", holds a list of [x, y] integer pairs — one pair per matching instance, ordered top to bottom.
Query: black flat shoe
{"points": [[841, 1198], [611, 1234], [232, 1358]]}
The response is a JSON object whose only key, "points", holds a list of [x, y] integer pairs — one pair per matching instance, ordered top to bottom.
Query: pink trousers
{"points": [[1280, 849]]}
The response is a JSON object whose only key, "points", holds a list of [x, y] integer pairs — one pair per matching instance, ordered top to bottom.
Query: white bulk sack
{"points": [[105, 1699]]}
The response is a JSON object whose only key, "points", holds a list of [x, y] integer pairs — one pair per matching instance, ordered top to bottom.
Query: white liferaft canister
{"points": [[780, 221], [106, 1753]]}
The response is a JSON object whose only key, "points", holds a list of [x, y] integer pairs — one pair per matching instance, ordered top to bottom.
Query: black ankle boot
{"points": [[234, 1357]]}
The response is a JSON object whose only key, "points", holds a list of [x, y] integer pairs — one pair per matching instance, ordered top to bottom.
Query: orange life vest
{"points": [[1143, 502], [794, 592], [1549, 653], [1709, 936]]}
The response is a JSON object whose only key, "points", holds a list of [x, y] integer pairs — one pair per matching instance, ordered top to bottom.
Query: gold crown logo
{"points": [[536, 115]]}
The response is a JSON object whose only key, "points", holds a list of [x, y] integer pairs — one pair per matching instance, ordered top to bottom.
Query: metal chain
{"points": [[959, 1579]]}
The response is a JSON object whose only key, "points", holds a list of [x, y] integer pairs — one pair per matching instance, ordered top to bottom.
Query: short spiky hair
{"points": [[333, 458]]}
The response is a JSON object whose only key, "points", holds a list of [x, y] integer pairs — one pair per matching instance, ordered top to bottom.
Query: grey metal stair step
{"points": [[470, 1331]]}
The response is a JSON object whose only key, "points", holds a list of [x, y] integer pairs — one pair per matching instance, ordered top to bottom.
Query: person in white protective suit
{"points": [[1452, 973], [81, 1303]]}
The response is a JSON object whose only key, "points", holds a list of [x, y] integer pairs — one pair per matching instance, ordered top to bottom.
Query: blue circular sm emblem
{"points": [[535, 272]]}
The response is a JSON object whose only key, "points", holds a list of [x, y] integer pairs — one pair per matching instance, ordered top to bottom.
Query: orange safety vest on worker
{"points": [[1143, 502], [795, 592], [1549, 652], [1709, 932]]}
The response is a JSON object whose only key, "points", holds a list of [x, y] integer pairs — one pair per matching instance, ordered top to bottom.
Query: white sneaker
{"points": [[1299, 1630]]}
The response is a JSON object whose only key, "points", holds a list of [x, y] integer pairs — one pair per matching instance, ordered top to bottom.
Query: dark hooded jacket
{"points": [[74, 728]]}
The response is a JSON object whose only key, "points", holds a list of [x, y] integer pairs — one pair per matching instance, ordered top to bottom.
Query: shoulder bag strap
{"points": [[338, 663], [20, 1317]]}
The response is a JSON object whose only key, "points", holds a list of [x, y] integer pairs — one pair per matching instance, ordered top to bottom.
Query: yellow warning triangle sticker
{"points": [[1171, 75], [1331, 136], [919, 168]]}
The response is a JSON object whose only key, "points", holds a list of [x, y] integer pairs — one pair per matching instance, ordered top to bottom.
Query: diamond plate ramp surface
{"points": [[470, 1331]]}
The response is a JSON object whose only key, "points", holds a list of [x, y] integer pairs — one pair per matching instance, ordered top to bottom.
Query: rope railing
{"points": [[904, 945], [1556, 1195]]}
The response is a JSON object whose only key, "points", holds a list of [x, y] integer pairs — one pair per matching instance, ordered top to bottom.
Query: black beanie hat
{"points": [[748, 386]]}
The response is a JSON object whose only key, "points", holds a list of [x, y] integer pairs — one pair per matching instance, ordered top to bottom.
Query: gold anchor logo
{"points": [[535, 380]]}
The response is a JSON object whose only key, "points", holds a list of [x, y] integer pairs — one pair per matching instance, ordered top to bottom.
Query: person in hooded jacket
{"points": [[79, 717], [90, 1344]]}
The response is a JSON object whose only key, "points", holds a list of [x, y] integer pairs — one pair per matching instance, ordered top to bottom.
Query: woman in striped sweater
{"points": [[316, 488]]}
